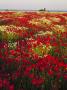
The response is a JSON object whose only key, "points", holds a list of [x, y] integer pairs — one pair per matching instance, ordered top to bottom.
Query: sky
{"points": [[34, 4]]}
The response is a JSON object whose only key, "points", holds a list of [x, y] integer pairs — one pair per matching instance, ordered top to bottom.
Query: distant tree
{"points": [[44, 9], [6, 10]]}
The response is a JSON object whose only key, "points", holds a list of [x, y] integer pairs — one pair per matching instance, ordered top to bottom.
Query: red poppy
{"points": [[12, 52], [50, 72], [37, 81], [1, 84], [11, 87]]}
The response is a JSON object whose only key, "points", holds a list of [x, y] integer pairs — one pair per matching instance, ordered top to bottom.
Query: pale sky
{"points": [[34, 4]]}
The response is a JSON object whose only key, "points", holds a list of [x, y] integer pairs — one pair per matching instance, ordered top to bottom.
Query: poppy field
{"points": [[33, 50]]}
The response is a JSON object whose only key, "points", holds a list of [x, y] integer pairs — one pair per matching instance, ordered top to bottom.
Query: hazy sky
{"points": [[34, 4]]}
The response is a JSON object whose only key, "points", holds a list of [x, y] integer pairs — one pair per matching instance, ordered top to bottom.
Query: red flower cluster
{"points": [[32, 50]]}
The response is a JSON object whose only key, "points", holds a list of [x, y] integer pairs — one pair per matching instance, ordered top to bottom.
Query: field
{"points": [[33, 50]]}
